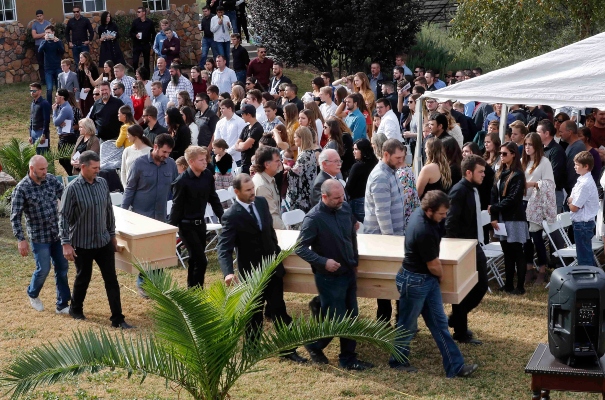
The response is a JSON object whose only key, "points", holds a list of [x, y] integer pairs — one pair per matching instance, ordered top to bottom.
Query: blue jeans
{"points": [[233, 18], [207, 44], [223, 49], [76, 50], [241, 75], [50, 76], [35, 135], [560, 198], [357, 208], [583, 233], [43, 254], [420, 294], [338, 295]]}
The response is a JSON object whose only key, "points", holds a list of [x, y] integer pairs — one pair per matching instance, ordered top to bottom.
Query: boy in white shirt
{"points": [[584, 205]]}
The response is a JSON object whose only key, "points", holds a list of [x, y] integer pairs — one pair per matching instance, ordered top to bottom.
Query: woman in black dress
{"points": [[110, 43], [86, 72], [179, 131], [454, 158], [358, 177]]}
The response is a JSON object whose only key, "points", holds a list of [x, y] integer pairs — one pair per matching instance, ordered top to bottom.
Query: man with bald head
{"points": [[569, 133], [329, 163], [36, 196], [328, 242]]}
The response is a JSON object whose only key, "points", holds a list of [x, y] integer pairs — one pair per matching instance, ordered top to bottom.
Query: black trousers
{"points": [[242, 24], [144, 48], [40, 59], [64, 141], [194, 238], [514, 258], [105, 259], [273, 297], [385, 310], [459, 318]]}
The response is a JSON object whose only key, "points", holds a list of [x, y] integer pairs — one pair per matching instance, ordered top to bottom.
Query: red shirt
{"points": [[261, 70], [598, 137]]}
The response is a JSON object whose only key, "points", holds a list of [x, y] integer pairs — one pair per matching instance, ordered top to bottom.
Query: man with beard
{"points": [[177, 84], [104, 113]]}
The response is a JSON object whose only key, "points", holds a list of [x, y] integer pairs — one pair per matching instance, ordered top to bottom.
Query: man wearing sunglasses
{"points": [[79, 33], [142, 33], [260, 67], [39, 118]]}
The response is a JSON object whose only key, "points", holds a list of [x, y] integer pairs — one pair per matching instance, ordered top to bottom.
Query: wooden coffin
{"points": [[143, 239], [380, 259]]}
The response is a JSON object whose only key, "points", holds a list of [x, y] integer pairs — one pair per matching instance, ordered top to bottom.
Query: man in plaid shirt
{"points": [[178, 83], [36, 196]]}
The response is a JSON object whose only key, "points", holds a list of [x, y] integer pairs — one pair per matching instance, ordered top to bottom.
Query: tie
{"points": [[478, 211], [254, 217]]}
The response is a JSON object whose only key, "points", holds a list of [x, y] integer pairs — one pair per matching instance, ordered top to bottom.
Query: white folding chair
{"points": [[237, 170], [225, 196], [116, 198], [292, 218], [212, 226], [180, 246], [568, 250], [493, 253]]}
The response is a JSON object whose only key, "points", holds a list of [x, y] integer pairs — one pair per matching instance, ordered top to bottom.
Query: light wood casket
{"points": [[143, 239], [380, 258]]}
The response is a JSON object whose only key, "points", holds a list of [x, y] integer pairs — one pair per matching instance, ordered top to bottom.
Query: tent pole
{"points": [[503, 122], [417, 163]]}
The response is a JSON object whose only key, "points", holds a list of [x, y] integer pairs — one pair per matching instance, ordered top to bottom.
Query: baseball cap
{"points": [[249, 109]]}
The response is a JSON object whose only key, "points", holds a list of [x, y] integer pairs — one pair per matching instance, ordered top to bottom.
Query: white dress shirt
{"points": [[221, 32], [224, 79], [327, 110], [261, 117], [389, 126], [229, 130], [585, 196], [247, 208]]}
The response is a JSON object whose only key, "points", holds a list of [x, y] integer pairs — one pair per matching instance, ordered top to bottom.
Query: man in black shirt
{"points": [[79, 33], [142, 33], [208, 39], [240, 57], [292, 98], [104, 113], [150, 118], [205, 119], [249, 138], [556, 155], [191, 191], [464, 222], [418, 284]]}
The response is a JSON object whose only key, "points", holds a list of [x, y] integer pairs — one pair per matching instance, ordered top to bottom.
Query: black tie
{"points": [[254, 215]]}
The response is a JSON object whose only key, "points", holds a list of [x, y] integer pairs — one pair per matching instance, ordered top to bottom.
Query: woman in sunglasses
{"points": [[507, 210]]}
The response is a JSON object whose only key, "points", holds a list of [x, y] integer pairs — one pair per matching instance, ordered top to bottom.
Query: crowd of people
{"points": [[337, 153]]}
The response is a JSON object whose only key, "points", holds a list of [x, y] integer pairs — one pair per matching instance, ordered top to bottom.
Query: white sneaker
{"points": [[36, 304], [64, 310]]}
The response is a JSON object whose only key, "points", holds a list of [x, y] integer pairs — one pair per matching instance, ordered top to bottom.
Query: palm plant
{"points": [[15, 155], [197, 341]]}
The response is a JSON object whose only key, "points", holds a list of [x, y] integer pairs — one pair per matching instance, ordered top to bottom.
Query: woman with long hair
{"points": [[109, 36], [209, 67], [87, 74], [142, 74], [106, 75], [253, 83], [199, 84], [361, 85], [237, 95], [313, 96], [140, 100], [184, 100], [189, 118], [305, 118], [127, 119], [291, 119], [318, 119], [178, 129], [453, 129], [332, 130], [280, 135], [585, 135], [87, 140], [492, 144], [141, 146], [454, 158], [348, 159], [365, 161], [538, 171], [303, 173], [436, 173], [485, 189], [507, 208]]}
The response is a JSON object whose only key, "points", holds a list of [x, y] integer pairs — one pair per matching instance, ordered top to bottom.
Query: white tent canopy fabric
{"points": [[573, 76]]}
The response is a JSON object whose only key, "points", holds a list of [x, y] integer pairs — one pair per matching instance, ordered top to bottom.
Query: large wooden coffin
{"points": [[143, 239], [380, 259]]}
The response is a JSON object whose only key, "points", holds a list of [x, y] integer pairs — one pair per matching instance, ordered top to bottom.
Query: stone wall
{"points": [[19, 64]]}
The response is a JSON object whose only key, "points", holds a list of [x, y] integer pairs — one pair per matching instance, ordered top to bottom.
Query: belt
{"points": [[193, 221]]}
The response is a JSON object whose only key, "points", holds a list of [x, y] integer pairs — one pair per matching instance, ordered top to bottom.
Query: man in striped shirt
{"points": [[384, 204], [87, 230]]}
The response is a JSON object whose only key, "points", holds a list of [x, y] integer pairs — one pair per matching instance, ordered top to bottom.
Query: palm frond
{"points": [[14, 157]]}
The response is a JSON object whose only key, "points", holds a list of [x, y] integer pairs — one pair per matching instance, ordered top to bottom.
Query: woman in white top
{"points": [[189, 119], [319, 119], [453, 129], [141, 146], [537, 170]]}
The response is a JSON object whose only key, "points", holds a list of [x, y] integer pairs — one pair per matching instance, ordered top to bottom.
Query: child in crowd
{"points": [[376, 123], [426, 129], [288, 157], [223, 162], [181, 164], [584, 205]]}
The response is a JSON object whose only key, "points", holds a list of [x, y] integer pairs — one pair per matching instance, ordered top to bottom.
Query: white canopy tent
{"points": [[573, 76]]}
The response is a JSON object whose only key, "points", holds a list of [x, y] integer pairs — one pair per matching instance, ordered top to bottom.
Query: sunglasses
{"points": [[417, 70], [33, 90], [96, 94], [559, 120], [504, 153]]}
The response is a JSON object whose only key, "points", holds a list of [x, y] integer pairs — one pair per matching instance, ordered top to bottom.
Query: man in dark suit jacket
{"points": [[329, 162], [248, 225]]}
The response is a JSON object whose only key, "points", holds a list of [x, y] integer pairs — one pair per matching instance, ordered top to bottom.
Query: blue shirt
{"points": [[39, 28], [159, 40], [53, 52], [161, 104], [61, 114], [510, 118], [357, 123]]}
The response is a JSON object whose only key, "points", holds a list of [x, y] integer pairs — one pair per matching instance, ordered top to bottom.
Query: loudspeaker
{"points": [[576, 307]]}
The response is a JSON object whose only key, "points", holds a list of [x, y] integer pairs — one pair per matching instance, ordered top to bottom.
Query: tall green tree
{"points": [[526, 28], [328, 32], [197, 342]]}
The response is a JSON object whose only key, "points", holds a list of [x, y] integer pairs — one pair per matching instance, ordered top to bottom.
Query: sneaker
{"points": [[36, 304], [64, 310], [317, 356], [357, 365], [467, 370]]}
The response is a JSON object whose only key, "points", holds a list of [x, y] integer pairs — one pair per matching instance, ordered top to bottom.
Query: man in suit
{"points": [[68, 79], [329, 163], [267, 165], [248, 225]]}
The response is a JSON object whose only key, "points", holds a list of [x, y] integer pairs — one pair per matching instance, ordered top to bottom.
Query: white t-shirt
{"points": [[327, 110]]}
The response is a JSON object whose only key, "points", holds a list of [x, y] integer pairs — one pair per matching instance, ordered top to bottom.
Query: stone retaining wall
{"points": [[18, 64]]}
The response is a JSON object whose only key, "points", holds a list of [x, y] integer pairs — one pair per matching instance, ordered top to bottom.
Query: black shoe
{"points": [[505, 289], [519, 291], [315, 307], [75, 315], [123, 325], [467, 339], [317, 356], [295, 357], [357, 365], [406, 368], [467, 370]]}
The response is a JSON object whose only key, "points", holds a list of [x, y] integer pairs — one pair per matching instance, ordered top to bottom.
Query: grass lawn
{"points": [[509, 326]]}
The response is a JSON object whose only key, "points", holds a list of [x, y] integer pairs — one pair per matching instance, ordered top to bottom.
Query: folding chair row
{"points": [[567, 250]]}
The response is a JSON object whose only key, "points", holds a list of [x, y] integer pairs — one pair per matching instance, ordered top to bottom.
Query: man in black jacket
{"points": [[79, 33], [142, 33], [104, 113], [556, 155], [329, 163], [464, 222], [248, 225], [328, 242]]}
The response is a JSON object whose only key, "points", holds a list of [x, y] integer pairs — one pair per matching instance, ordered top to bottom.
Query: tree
{"points": [[526, 28], [348, 32], [15, 155], [197, 342]]}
